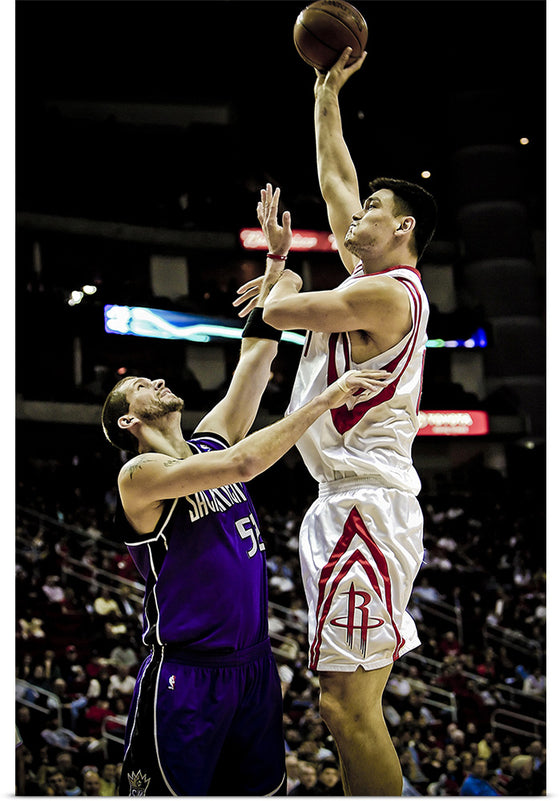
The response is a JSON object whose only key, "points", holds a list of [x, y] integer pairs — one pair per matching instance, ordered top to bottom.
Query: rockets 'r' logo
{"points": [[349, 622]]}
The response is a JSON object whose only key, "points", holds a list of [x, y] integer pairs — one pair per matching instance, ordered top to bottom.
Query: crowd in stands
{"points": [[479, 604]]}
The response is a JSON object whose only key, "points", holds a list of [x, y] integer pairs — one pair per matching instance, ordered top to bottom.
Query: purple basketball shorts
{"points": [[205, 725]]}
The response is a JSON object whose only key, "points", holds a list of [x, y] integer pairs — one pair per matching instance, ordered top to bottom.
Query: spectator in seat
{"points": [[104, 605], [121, 683], [328, 779], [307, 780], [526, 781], [91, 782], [476, 782]]}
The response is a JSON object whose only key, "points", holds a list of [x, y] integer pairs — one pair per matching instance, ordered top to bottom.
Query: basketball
{"points": [[324, 28]]}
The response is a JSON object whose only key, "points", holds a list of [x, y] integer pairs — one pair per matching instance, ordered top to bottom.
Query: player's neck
{"points": [[379, 265], [166, 438]]}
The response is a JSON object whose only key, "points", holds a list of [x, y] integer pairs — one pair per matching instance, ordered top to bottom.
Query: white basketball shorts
{"points": [[360, 551]]}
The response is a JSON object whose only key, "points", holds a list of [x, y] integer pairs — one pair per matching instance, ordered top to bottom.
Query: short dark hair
{"points": [[412, 199], [115, 406]]}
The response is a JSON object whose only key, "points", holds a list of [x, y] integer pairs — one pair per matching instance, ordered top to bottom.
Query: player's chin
{"points": [[350, 245], [174, 404]]}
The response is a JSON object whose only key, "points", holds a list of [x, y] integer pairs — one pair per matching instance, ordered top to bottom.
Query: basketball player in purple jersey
{"points": [[361, 541], [206, 716]]}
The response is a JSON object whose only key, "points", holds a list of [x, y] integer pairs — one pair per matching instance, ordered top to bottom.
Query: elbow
{"points": [[273, 315], [246, 465]]}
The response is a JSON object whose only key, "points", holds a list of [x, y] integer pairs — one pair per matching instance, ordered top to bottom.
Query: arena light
{"points": [[323, 241], [77, 295], [141, 321], [477, 340], [454, 423]]}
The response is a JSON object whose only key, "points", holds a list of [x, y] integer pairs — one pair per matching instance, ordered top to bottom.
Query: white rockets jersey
{"points": [[372, 434]]}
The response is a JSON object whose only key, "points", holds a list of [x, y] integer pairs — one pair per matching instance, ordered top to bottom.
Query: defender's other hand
{"points": [[250, 291], [354, 381]]}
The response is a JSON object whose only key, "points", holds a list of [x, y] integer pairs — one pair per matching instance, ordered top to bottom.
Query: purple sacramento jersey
{"points": [[204, 567], [206, 716]]}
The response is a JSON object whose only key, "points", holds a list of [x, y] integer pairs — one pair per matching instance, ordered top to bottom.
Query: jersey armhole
{"points": [[208, 435]]}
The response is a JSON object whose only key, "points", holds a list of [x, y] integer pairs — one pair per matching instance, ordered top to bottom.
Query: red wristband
{"points": [[276, 257]]}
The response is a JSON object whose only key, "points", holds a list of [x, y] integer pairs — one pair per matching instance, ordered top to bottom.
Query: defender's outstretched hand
{"points": [[278, 237], [279, 241]]}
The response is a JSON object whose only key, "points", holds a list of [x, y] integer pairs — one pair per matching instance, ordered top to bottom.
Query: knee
{"points": [[347, 704], [333, 710]]}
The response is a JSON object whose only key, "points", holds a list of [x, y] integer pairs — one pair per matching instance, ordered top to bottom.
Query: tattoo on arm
{"points": [[134, 468]]}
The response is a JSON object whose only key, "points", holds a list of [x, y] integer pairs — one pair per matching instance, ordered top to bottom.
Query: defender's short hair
{"points": [[115, 406]]}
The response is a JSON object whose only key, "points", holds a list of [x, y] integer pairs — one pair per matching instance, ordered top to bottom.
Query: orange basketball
{"points": [[324, 28]]}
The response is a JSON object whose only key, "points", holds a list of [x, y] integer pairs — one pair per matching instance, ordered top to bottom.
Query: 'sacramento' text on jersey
{"points": [[204, 568]]}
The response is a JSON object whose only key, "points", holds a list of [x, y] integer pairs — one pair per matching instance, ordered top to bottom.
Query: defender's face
{"points": [[372, 228], [150, 400]]}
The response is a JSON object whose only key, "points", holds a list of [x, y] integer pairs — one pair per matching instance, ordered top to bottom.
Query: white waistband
{"points": [[351, 482]]}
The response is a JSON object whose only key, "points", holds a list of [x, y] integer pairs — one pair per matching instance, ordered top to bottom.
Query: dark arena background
{"points": [[144, 131]]}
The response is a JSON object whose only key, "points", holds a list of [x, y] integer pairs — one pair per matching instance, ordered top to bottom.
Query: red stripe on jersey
{"points": [[421, 383], [343, 418], [383, 568]]}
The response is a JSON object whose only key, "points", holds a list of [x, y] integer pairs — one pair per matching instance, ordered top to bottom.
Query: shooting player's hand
{"points": [[338, 74]]}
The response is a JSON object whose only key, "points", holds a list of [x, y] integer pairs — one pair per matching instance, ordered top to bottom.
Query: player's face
{"points": [[372, 228], [151, 400]]}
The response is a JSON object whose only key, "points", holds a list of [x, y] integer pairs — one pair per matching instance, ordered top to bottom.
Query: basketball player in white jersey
{"points": [[361, 541]]}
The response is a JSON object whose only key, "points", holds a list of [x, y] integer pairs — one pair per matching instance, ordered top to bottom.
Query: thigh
{"points": [[360, 552], [196, 707], [179, 723], [253, 756], [141, 772]]}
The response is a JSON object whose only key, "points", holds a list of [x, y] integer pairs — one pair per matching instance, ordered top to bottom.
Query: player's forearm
{"points": [[334, 162], [279, 309], [249, 381], [236, 412], [262, 449], [259, 451]]}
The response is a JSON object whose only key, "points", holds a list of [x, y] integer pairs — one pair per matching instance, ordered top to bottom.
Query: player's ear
{"points": [[405, 226], [127, 421]]}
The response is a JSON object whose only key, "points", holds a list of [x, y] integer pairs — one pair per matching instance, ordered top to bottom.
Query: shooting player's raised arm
{"points": [[337, 175]]}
